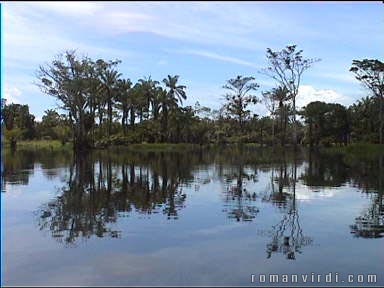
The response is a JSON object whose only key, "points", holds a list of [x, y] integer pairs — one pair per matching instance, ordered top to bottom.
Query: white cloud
{"points": [[27, 33], [216, 56], [308, 93], [11, 94]]}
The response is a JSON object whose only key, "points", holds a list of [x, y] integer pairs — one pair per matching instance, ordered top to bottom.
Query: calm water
{"points": [[206, 217]]}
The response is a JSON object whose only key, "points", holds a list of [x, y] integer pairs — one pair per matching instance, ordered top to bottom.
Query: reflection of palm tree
{"points": [[96, 195]]}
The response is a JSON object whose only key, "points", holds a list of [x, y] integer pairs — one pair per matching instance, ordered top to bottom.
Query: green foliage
{"points": [[371, 74], [238, 97], [102, 108], [326, 123], [19, 124]]}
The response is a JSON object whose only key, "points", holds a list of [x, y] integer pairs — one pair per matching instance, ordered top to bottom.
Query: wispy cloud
{"points": [[233, 33], [215, 56]]}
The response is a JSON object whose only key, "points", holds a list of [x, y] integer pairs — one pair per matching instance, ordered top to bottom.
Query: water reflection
{"points": [[104, 186], [97, 193], [239, 201], [370, 224], [286, 236]]}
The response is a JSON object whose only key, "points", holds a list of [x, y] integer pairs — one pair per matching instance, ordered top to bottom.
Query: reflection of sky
{"points": [[202, 247]]}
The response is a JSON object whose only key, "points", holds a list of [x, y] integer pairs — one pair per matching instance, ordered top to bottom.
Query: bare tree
{"points": [[287, 67]]}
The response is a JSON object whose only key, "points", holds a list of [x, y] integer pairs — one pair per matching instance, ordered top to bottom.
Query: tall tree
{"points": [[287, 67], [371, 74], [68, 78], [109, 78], [149, 92], [174, 93], [238, 98], [123, 100]]}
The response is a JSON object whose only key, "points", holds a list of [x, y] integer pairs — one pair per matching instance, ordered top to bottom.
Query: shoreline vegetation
{"points": [[101, 109], [357, 149]]}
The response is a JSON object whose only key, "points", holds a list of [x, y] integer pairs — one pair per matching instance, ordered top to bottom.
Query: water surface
{"points": [[201, 217]]}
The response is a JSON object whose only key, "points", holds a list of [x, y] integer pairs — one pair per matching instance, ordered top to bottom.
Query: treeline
{"points": [[102, 108]]}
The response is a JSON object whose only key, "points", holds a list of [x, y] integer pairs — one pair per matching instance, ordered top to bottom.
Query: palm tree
{"points": [[109, 78], [174, 89], [149, 90], [123, 99], [169, 100], [156, 102]]}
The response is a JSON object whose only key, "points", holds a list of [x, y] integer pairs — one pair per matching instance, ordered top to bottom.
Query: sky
{"points": [[206, 43]]}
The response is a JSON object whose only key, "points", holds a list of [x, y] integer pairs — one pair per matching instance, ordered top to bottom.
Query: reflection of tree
{"points": [[18, 166], [325, 170], [97, 193], [279, 196], [239, 202], [371, 223], [287, 235], [288, 243]]}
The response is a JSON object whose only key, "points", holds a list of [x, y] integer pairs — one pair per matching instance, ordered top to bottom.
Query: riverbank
{"points": [[40, 145], [362, 149]]}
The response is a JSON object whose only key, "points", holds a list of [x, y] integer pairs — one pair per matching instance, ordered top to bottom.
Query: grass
{"points": [[40, 145], [178, 147], [358, 149]]}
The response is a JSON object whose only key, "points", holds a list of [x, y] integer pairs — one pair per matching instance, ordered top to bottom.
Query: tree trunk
{"points": [[381, 99], [109, 115], [132, 118], [294, 121], [165, 125], [273, 132]]}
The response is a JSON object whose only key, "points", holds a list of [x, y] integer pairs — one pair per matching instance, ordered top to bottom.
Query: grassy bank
{"points": [[40, 145], [158, 146], [355, 149]]}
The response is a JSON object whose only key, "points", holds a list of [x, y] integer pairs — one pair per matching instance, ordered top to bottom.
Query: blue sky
{"points": [[205, 43]]}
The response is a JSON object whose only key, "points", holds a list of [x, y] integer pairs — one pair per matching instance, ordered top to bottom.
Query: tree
{"points": [[287, 67], [371, 74], [109, 79], [70, 80], [149, 87], [175, 91], [238, 97], [170, 98], [123, 100], [274, 102], [314, 115], [364, 120], [49, 121], [18, 122], [327, 122]]}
